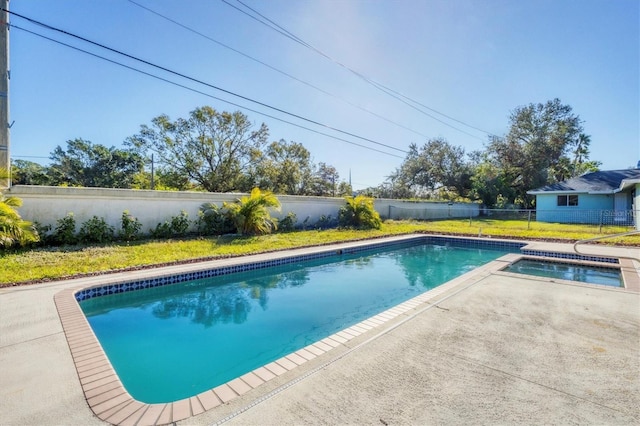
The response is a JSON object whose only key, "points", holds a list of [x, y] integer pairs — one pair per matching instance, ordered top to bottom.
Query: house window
{"points": [[567, 200]]}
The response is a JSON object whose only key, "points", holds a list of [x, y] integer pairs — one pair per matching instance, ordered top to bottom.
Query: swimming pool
{"points": [[174, 341]]}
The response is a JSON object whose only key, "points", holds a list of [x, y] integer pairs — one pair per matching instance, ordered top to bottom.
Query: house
{"points": [[610, 197]]}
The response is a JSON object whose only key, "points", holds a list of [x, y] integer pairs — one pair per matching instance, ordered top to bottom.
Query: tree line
{"points": [[545, 144], [208, 151], [224, 152]]}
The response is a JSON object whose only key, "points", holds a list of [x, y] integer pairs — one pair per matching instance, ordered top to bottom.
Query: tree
{"points": [[540, 136], [214, 149], [581, 163], [86, 164], [577, 165], [284, 168], [435, 168], [29, 173], [164, 179], [325, 179], [487, 181], [344, 189], [387, 189], [251, 214]]}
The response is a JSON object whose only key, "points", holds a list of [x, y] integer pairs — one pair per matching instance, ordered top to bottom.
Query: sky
{"points": [[465, 65]]}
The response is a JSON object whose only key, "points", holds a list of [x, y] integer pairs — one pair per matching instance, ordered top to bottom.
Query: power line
{"points": [[272, 25], [278, 28], [281, 30], [219, 43], [200, 92], [390, 92], [431, 109], [317, 123], [28, 156]]}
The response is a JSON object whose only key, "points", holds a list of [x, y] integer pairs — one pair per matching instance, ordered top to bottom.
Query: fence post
{"points": [[601, 217], [529, 221]]}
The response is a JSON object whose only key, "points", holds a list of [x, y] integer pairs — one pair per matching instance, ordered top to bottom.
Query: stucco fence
{"points": [[47, 205]]}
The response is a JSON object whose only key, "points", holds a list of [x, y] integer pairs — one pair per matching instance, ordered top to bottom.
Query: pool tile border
{"points": [[570, 256], [209, 272], [90, 292], [109, 400]]}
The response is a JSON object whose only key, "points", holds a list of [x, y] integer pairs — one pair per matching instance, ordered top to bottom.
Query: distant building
{"points": [[604, 197]]}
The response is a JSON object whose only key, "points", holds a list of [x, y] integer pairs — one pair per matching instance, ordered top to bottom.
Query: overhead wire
{"points": [[36, 22], [269, 23], [274, 26], [278, 28], [271, 67], [199, 91], [431, 109]]}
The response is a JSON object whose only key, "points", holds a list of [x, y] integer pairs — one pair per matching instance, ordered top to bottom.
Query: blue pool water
{"points": [[567, 271], [172, 342]]}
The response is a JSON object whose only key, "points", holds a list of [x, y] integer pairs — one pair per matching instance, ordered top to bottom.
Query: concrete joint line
{"points": [[31, 340], [515, 376]]}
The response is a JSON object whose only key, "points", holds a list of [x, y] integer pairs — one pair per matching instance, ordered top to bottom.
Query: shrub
{"points": [[359, 213], [251, 215], [213, 220], [325, 222], [288, 223], [305, 223], [180, 224], [176, 226], [131, 227], [13, 229], [65, 230], [96, 230], [162, 230], [44, 233]]}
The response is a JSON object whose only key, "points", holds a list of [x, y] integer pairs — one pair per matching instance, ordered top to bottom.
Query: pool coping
{"points": [[109, 400]]}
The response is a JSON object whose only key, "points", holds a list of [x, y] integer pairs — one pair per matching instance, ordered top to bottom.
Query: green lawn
{"points": [[54, 263]]}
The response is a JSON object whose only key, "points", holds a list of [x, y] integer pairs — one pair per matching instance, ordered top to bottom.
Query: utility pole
{"points": [[5, 163]]}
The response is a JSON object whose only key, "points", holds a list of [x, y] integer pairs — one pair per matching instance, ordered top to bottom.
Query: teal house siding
{"points": [[604, 197], [636, 206], [589, 209]]}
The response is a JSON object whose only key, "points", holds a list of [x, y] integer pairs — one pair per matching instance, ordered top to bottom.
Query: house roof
{"points": [[602, 182]]}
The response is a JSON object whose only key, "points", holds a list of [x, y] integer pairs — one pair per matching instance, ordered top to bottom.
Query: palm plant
{"points": [[359, 212], [251, 214], [13, 230]]}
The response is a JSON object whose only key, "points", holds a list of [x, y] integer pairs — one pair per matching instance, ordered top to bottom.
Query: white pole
{"points": [[5, 162]]}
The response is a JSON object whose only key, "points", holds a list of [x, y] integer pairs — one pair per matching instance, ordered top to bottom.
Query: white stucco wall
{"points": [[47, 205], [425, 210]]}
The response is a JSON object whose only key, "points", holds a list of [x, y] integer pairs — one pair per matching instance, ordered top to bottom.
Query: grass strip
{"points": [[43, 264]]}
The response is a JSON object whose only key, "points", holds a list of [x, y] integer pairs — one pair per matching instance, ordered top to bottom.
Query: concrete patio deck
{"points": [[491, 349]]}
